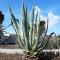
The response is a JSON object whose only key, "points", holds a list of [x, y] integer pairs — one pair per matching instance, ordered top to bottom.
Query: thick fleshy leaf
{"points": [[31, 26], [16, 27], [44, 45]]}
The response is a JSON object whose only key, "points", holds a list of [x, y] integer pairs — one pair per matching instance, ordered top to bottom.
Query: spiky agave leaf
{"points": [[13, 19], [23, 24], [31, 26], [16, 27], [25, 27], [35, 30], [27, 31], [51, 43], [40, 49]]}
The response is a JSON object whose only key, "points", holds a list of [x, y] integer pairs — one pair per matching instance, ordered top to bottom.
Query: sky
{"points": [[50, 8]]}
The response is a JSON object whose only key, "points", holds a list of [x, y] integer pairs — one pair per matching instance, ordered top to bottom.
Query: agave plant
{"points": [[34, 34]]}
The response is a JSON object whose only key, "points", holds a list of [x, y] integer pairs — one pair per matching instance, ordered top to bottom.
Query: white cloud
{"points": [[53, 19]]}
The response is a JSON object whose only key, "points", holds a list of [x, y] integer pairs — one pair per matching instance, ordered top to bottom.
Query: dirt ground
{"points": [[10, 57], [16, 57], [57, 58]]}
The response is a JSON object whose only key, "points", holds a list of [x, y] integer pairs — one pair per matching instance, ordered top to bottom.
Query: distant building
{"points": [[8, 40]]}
